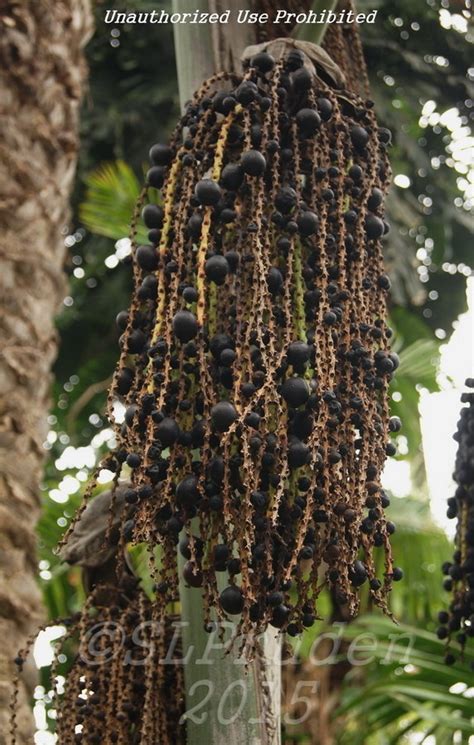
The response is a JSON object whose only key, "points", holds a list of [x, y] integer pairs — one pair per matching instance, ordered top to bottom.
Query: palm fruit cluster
{"points": [[255, 354], [457, 623], [122, 682]]}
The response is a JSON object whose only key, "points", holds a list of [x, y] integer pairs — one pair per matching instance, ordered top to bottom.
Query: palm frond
{"points": [[111, 193], [419, 362], [419, 547], [408, 686]]}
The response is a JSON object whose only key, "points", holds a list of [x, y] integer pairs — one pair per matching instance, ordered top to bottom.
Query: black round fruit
{"points": [[263, 61], [302, 79], [246, 92], [325, 108], [308, 122], [385, 135], [359, 137], [161, 155], [253, 163], [356, 173], [156, 176], [232, 176], [208, 192], [376, 198], [285, 200], [227, 215], [152, 216], [307, 223], [194, 225], [374, 226], [154, 236], [147, 258], [233, 260], [217, 269], [275, 281], [383, 282], [147, 289], [190, 294], [330, 318], [121, 320], [185, 326], [136, 341], [218, 343], [298, 353], [227, 357], [124, 381], [295, 391], [130, 412], [223, 415], [253, 419], [395, 424], [302, 425], [167, 432], [298, 454], [133, 460], [187, 490], [259, 500], [127, 530], [185, 546], [306, 553], [358, 574], [192, 575], [275, 598], [232, 600], [280, 616]]}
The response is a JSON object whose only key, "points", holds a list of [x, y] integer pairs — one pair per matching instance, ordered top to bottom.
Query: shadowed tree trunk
{"points": [[42, 71]]}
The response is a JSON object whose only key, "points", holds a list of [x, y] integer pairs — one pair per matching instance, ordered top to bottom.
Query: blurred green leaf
{"points": [[111, 193]]}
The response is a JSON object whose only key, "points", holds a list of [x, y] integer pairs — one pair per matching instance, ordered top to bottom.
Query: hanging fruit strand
{"points": [[262, 409], [457, 622]]}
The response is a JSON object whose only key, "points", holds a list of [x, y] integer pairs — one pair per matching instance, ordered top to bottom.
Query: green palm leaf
{"points": [[111, 193], [419, 361], [418, 545], [408, 687]]}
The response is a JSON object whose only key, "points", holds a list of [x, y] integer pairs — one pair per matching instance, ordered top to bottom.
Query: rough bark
{"points": [[42, 71]]}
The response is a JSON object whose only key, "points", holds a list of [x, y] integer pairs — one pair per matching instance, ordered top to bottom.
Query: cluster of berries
{"points": [[457, 623]]}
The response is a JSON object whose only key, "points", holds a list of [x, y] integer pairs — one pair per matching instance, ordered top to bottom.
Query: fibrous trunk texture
{"points": [[42, 72]]}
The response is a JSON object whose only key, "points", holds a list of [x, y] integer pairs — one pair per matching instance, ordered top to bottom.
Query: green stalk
{"points": [[314, 32], [224, 697], [225, 702]]}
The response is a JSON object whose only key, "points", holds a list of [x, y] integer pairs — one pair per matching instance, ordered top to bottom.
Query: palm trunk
{"points": [[41, 79]]}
